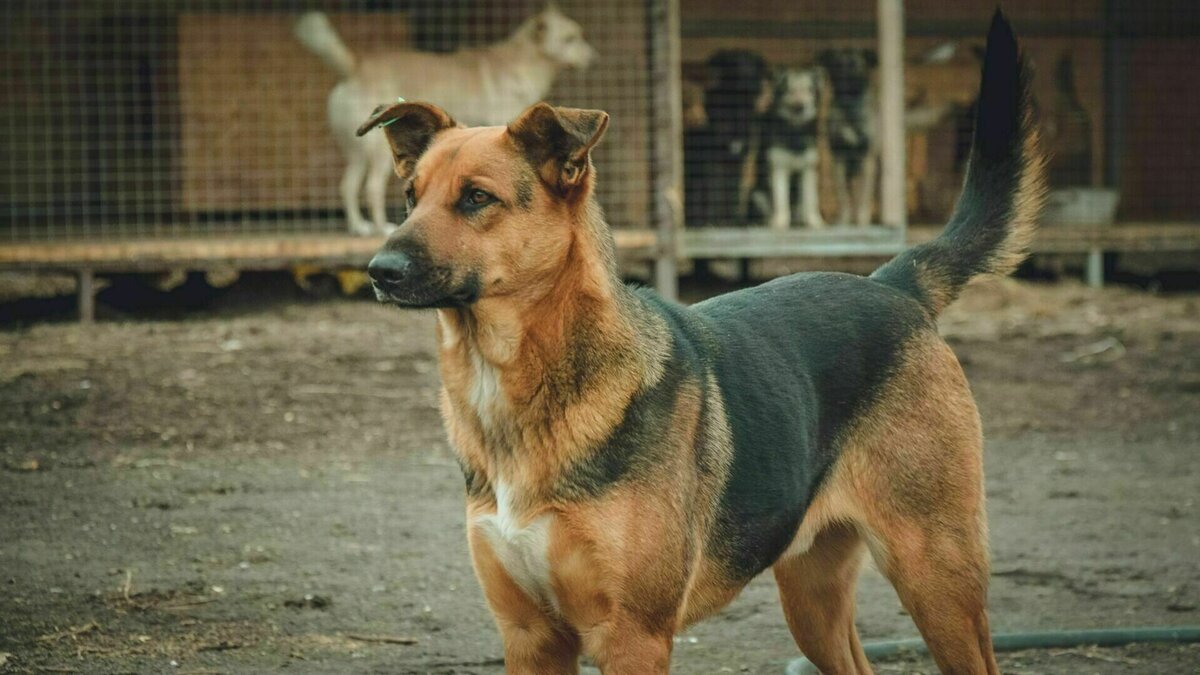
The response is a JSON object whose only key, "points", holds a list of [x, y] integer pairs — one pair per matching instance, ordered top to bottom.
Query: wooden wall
{"points": [[254, 131], [1162, 149]]}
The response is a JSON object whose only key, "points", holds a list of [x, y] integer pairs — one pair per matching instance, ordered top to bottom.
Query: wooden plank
{"points": [[765, 243], [266, 252], [281, 252]]}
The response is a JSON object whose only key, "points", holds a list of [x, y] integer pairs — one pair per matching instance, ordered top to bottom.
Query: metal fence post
{"points": [[667, 160], [893, 207]]}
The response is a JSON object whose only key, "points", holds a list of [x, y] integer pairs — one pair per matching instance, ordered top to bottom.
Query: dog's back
{"points": [[801, 358]]}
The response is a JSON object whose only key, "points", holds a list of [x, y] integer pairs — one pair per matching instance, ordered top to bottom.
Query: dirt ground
{"points": [[266, 486]]}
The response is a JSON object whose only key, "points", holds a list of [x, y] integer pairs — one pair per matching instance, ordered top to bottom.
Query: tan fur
{"points": [[1030, 198], [1022, 225], [552, 329], [540, 369], [908, 485]]}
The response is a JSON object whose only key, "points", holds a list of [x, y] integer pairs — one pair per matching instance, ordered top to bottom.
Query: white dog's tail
{"points": [[314, 31]]}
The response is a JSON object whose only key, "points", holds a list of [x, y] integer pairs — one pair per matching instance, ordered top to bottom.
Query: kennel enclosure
{"points": [[146, 135]]}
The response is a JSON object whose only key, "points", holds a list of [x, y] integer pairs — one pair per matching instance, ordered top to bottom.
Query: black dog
{"points": [[853, 130], [715, 156]]}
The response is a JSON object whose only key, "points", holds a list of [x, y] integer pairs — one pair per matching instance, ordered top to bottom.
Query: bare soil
{"points": [[266, 486]]}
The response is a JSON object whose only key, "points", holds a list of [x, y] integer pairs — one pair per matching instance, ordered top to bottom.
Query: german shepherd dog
{"points": [[631, 464]]}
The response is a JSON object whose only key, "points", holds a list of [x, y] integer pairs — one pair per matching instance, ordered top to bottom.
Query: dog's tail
{"points": [[314, 31], [1002, 195]]}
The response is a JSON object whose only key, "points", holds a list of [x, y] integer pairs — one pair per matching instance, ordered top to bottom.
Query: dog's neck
{"points": [[521, 62], [533, 381]]}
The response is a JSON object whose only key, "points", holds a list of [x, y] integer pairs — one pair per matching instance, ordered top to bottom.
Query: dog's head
{"points": [[558, 38], [849, 69], [737, 71], [797, 92], [491, 209]]}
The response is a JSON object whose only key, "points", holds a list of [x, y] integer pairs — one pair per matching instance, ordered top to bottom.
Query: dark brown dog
{"points": [[631, 464]]}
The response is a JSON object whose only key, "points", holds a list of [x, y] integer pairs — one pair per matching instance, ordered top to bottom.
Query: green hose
{"points": [[1011, 642]]}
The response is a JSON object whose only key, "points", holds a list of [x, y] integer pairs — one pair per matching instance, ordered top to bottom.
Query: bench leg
{"points": [[1095, 268], [87, 296]]}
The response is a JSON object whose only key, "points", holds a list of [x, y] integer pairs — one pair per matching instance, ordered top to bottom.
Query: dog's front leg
{"points": [[378, 175], [842, 180], [867, 188], [810, 193], [781, 216], [535, 643], [539, 648], [628, 649]]}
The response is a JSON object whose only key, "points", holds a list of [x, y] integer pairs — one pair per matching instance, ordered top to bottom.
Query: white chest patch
{"points": [[484, 393], [522, 549]]}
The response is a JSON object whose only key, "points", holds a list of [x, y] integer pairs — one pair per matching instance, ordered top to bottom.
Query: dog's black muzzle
{"points": [[389, 269], [407, 278]]}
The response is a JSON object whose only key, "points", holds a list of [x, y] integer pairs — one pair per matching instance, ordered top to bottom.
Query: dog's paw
{"points": [[361, 229]]}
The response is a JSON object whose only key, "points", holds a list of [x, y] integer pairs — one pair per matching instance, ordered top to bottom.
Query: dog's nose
{"points": [[389, 267]]}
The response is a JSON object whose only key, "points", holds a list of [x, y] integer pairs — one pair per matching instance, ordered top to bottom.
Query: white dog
{"points": [[479, 87], [789, 136]]}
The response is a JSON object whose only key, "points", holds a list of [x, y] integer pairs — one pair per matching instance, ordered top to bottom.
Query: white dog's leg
{"points": [[356, 168], [781, 173], [378, 174], [810, 193], [865, 196]]}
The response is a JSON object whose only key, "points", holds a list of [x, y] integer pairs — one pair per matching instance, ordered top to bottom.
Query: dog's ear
{"points": [[537, 31], [826, 58], [409, 128], [558, 142]]}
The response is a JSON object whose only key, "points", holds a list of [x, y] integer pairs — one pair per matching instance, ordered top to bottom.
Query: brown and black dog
{"points": [[631, 464]]}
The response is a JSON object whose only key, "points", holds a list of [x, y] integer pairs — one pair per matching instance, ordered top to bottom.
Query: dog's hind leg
{"points": [[356, 169], [379, 172], [917, 469], [940, 574], [817, 591]]}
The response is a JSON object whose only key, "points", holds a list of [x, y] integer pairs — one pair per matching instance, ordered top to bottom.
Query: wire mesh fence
{"points": [[765, 83], [141, 118], [158, 119]]}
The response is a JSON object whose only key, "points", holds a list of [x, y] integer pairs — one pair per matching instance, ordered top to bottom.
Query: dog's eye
{"points": [[476, 198]]}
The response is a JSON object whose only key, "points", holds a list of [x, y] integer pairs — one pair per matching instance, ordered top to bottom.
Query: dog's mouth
{"points": [[581, 59], [798, 107], [427, 294]]}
